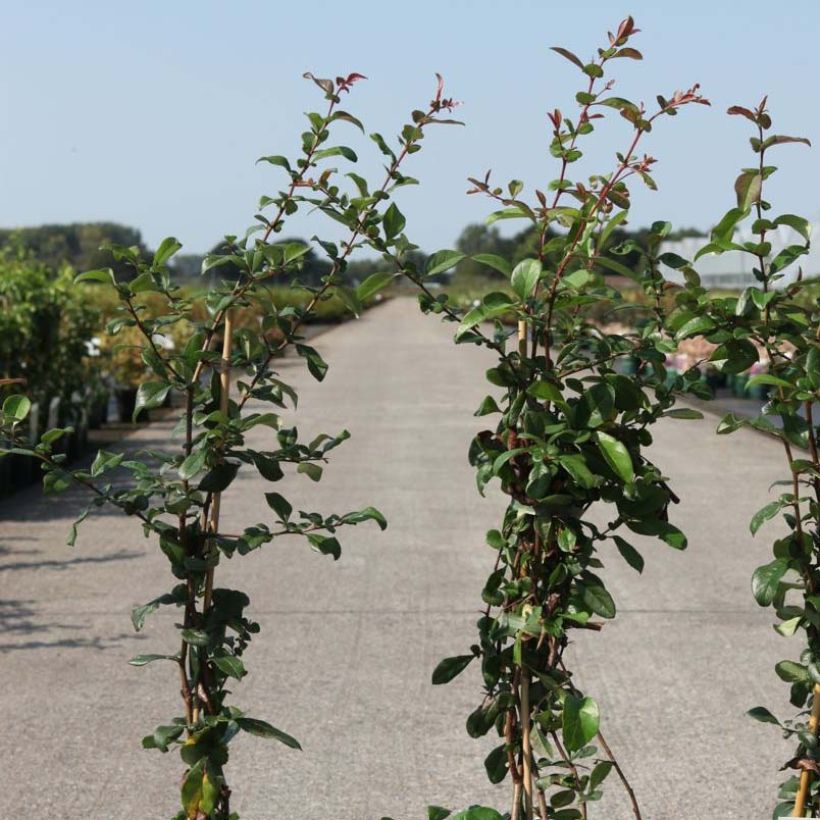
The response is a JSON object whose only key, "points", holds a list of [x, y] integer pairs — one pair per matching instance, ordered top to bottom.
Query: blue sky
{"points": [[153, 113]]}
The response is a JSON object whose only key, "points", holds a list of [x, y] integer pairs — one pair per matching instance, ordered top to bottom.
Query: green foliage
{"points": [[82, 245], [45, 326], [778, 326], [570, 433], [175, 494]]}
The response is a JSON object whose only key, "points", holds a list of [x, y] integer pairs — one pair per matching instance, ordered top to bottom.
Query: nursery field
{"points": [[350, 645]]}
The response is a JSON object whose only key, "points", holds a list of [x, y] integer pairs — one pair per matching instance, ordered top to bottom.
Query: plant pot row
{"points": [[82, 413]]}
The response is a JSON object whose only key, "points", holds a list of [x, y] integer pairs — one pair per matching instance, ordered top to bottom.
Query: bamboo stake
{"points": [[224, 394], [524, 694], [526, 746], [805, 775], [516, 807]]}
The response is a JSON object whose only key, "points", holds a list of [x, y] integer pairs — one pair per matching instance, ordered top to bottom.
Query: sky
{"points": [[152, 114]]}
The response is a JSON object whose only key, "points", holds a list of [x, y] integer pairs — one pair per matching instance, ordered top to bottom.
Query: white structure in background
{"points": [[733, 269]]}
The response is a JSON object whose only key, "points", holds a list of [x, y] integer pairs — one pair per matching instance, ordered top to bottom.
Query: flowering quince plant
{"points": [[775, 321], [233, 399], [570, 441]]}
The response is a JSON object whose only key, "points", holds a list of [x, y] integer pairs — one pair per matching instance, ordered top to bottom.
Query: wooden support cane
{"points": [[224, 394], [526, 745], [805, 775]]}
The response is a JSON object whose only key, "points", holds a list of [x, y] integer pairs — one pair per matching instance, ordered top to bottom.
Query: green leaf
{"points": [[336, 151], [276, 160], [393, 221], [797, 223], [724, 230], [167, 248], [786, 257], [492, 260], [442, 261], [99, 275], [525, 277], [373, 284], [494, 304], [695, 327], [737, 354], [316, 364], [546, 391], [149, 395], [16, 407], [683, 413], [617, 456], [105, 461], [193, 464], [268, 467], [577, 468], [311, 470], [219, 478], [279, 505], [367, 514], [764, 514], [325, 545], [629, 554], [766, 580], [595, 596], [140, 613], [789, 627], [195, 637], [142, 660], [230, 665], [450, 667], [792, 672], [763, 715], [580, 722], [260, 728], [164, 735], [495, 765], [599, 774], [437, 813], [477, 813]]}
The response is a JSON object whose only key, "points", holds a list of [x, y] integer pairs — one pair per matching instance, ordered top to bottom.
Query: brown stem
{"points": [[241, 288], [149, 336], [224, 395], [813, 447], [572, 768], [635, 810]]}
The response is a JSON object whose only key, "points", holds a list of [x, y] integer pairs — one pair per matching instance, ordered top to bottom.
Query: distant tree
{"points": [[77, 244], [186, 265]]}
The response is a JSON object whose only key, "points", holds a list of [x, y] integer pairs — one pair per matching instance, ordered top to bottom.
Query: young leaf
{"points": [[442, 261], [525, 277], [373, 284], [617, 456], [766, 580], [448, 668], [580, 722], [261, 728]]}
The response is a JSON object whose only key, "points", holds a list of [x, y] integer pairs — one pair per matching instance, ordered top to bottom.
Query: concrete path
{"points": [[346, 649]]}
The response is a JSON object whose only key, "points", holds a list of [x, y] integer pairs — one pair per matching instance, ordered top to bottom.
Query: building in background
{"points": [[733, 269]]}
